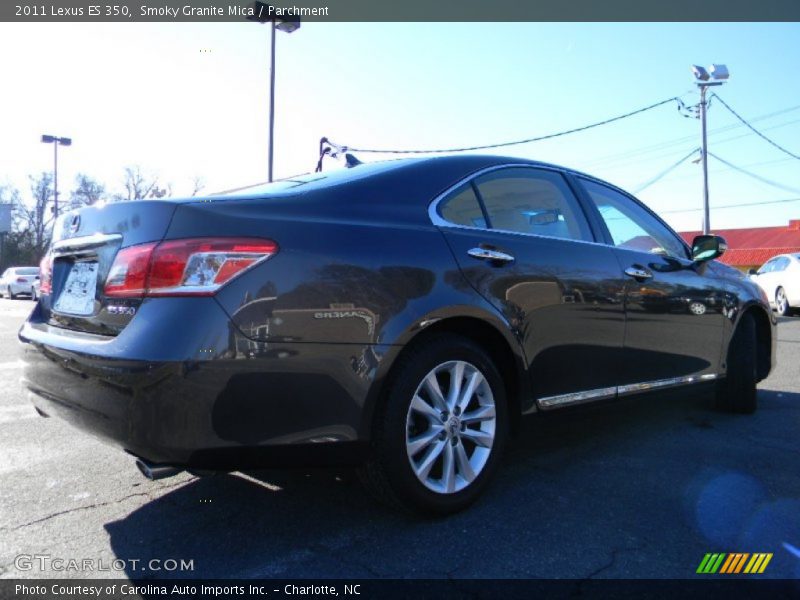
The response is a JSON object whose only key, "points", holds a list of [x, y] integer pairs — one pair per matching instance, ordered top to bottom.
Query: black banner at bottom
{"points": [[250, 589]]}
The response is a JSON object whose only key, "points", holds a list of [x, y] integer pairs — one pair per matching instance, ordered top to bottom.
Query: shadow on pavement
{"points": [[592, 492]]}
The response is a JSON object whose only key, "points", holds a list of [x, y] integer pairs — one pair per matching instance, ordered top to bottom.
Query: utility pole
{"points": [[703, 77], [704, 155]]}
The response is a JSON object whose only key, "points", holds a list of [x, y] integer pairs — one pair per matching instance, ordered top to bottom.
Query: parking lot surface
{"points": [[642, 487]]}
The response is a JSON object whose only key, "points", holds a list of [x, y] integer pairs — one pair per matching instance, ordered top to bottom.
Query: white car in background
{"points": [[779, 277], [19, 280]]}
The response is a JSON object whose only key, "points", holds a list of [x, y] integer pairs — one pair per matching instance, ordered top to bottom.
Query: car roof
{"points": [[465, 163]]}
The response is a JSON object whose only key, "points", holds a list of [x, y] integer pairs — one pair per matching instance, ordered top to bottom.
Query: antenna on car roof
{"points": [[328, 148]]}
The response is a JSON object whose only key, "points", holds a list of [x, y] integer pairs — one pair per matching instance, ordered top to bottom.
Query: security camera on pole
{"points": [[715, 75]]}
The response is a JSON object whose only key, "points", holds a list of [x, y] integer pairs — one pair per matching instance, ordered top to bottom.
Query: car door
{"points": [[521, 239], [673, 306]]}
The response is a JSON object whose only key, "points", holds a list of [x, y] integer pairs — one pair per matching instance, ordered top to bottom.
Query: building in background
{"points": [[751, 247]]}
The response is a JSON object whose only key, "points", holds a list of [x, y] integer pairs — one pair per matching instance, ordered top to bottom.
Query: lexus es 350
{"points": [[399, 316]]}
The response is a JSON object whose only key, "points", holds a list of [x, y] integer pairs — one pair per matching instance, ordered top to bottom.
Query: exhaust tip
{"points": [[155, 472]]}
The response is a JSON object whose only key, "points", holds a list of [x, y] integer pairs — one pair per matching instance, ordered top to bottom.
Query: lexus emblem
{"points": [[75, 223]]}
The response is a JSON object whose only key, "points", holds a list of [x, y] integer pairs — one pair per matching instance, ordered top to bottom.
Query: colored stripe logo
{"points": [[734, 563]]}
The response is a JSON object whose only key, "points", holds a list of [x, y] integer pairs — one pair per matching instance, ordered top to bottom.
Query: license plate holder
{"points": [[77, 295]]}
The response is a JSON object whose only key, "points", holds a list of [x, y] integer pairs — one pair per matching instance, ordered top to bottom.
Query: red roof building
{"points": [[751, 247]]}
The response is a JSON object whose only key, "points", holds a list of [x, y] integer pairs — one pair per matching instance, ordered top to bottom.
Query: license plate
{"points": [[77, 296]]}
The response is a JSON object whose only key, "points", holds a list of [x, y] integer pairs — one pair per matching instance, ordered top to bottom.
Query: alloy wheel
{"points": [[781, 302], [697, 308], [450, 427]]}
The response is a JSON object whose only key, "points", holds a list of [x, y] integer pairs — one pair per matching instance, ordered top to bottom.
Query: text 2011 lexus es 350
{"points": [[400, 316]]}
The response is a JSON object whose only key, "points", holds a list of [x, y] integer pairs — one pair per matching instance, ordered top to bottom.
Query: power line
{"points": [[756, 131], [516, 143], [608, 161], [757, 177], [650, 182], [742, 205]]}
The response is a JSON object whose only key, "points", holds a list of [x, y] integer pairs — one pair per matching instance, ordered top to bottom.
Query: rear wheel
{"points": [[33, 294], [11, 295], [782, 303], [737, 392], [441, 430]]}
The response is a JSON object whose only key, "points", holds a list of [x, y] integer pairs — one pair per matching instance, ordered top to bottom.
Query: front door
{"points": [[674, 307]]}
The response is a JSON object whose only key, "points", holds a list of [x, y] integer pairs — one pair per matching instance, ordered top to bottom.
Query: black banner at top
{"points": [[127, 11]]}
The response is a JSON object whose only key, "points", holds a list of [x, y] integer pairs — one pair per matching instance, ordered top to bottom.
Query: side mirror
{"points": [[708, 247], [752, 272]]}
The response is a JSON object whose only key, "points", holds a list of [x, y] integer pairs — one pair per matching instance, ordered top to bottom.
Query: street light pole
{"points": [[264, 13], [703, 79], [271, 97], [56, 141]]}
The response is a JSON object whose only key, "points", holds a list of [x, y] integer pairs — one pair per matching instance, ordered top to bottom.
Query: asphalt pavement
{"points": [[639, 488]]}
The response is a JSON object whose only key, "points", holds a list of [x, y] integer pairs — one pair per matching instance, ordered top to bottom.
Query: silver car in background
{"points": [[779, 277], [19, 280]]}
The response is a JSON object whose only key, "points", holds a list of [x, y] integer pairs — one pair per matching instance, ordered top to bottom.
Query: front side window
{"points": [[531, 201], [630, 225], [767, 267]]}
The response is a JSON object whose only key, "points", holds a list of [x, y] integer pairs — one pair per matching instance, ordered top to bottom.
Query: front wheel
{"points": [[782, 303], [737, 392], [441, 429]]}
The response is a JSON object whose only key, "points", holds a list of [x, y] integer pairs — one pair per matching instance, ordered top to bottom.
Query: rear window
{"points": [[27, 271]]}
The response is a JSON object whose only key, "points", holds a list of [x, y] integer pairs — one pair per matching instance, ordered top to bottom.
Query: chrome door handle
{"points": [[493, 255], [638, 272]]}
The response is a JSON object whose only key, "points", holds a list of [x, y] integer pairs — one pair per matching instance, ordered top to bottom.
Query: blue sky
{"points": [[185, 100]]}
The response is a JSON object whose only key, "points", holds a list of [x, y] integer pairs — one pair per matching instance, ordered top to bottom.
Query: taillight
{"points": [[192, 267], [46, 274], [128, 274]]}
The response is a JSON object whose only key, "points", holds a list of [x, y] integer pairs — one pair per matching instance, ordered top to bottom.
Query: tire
{"points": [[33, 294], [11, 295], [782, 303], [737, 392], [424, 458]]}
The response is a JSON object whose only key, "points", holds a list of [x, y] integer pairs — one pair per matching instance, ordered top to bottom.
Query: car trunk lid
{"points": [[85, 243]]}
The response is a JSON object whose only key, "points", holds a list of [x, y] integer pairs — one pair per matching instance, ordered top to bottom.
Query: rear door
{"points": [[522, 241], [674, 308]]}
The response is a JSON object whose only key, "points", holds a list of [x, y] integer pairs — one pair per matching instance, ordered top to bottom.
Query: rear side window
{"points": [[531, 201], [463, 208], [781, 264]]}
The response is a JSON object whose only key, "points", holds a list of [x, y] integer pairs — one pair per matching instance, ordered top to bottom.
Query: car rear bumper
{"points": [[20, 288], [244, 405]]}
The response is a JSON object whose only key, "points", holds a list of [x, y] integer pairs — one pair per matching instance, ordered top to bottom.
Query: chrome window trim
{"points": [[438, 221], [573, 398]]}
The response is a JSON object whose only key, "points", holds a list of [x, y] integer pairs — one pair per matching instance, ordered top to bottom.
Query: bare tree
{"points": [[198, 183], [139, 185], [87, 192], [35, 219]]}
